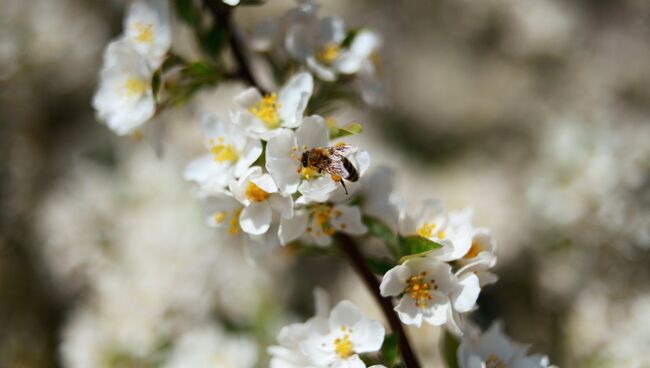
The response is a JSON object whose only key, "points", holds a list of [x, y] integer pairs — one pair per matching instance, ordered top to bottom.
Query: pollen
{"points": [[145, 32], [329, 53], [134, 87], [267, 111], [223, 152], [308, 173], [255, 193], [322, 214], [220, 216], [234, 223], [426, 230], [419, 289], [343, 345], [494, 362]]}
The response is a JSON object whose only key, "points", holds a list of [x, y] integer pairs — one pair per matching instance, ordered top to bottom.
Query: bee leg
{"points": [[344, 187]]}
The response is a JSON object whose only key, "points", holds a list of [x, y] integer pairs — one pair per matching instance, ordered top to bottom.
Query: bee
{"points": [[332, 160]]}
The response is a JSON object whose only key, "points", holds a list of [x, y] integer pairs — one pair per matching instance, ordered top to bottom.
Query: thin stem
{"points": [[223, 15], [349, 247]]}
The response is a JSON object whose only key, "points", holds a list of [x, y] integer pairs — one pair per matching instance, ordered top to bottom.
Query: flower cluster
{"points": [[324, 45], [125, 98], [271, 174], [439, 285], [329, 339], [493, 349]]}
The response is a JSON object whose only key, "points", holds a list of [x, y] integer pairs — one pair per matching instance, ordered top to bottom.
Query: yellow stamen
{"points": [[145, 32], [329, 53], [134, 87], [267, 111], [137, 135], [223, 152], [308, 173], [255, 193], [220, 216], [322, 216], [234, 223], [426, 230], [441, 234], [419, 289], [343, 346], [494, 362]]}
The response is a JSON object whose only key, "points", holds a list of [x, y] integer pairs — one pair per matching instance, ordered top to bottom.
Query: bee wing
{"points": [[341, 149], [336, 165]]}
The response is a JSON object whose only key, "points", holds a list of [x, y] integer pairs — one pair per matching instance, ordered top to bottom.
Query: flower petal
{"points": [[256, 218]]}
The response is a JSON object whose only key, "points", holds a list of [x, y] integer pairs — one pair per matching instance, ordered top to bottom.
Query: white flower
{"points": [[231, 2], [147, 28], [124, 99], [262, 116], [232, 152], [283, 161], [259, 195], [378, 198], [231, 216], [429, 220], [319, 221], [481, 257], [428, 291], [346, 335], [209, 347], [495, 350], [288, 354]]}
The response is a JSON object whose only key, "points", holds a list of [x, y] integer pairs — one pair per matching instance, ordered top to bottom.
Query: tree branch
{"points": [[222, 14], [349, 247]]}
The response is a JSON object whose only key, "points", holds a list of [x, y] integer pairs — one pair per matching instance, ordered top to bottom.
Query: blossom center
{"points": [[145, 32], [329, 53], [134, 87], [267, 111], [223, 152], [308, 173], [255, 193], [322, 214], [234, 223], [427, 231], [419, 289], [343, 345], [494, 362]]}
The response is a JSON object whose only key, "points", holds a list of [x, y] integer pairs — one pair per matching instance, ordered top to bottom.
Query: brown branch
{"points": [[222, 14], [349, 247]]}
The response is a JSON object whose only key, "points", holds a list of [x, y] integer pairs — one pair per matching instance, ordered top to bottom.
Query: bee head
{"points": [[305, 159]]}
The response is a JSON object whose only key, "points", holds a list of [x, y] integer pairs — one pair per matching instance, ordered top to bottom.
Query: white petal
{"points": [[331, 30], [297, 42], [365, 43], [322, 72], [248, 98], [293, 99], [313, 133], [282, 167], [265, 182], [319, 189], [282, 205], [256, 218], [349, 220], [293, 228], [394, 281], [408, 312], [345, 313], [367, 336]]}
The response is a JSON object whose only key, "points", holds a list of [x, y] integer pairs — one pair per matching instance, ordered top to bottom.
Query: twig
{"points": [[223, 15], [349, 247]]}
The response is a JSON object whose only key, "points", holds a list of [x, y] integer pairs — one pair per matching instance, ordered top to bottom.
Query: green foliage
{"points": [[188, 12], [213, 40], [347, 41], [350, 129], [379, 229], [416, 246], [379, 266], [449, 348], [389, 350]]}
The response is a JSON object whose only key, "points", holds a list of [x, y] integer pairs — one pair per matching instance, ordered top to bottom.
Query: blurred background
{"points": [[536, 113]]}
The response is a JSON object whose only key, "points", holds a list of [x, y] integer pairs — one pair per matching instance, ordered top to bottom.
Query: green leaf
{"points": [[251, 2], [188, 12], [213, 40], [347, 41], [155, 85], [350, 129], [377, 228], [415, 246], [379, 266], [449, 348], [389, 350]]}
